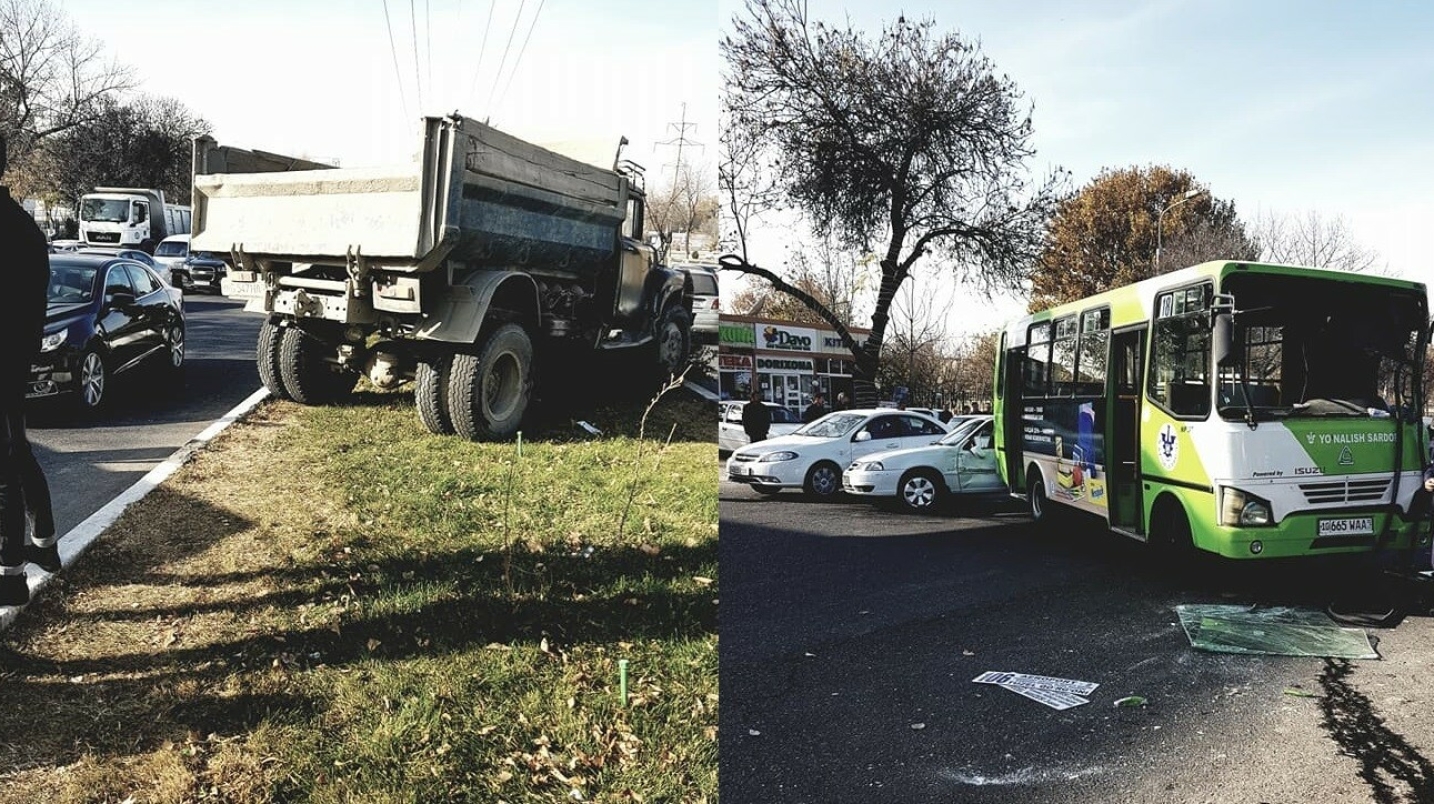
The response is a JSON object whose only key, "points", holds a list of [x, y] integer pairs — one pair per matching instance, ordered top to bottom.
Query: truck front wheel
{"points": [[674, 340], [307, 377], [489, 389], [430, 394]]}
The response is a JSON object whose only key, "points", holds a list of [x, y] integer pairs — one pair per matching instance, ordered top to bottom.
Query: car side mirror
{"points": [[121, 299], [864, 435]]}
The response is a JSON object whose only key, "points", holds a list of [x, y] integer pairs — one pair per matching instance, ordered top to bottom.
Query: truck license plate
{"points": [[1352, 526]]}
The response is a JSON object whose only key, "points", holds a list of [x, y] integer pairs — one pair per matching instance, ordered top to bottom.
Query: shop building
{"points": [[788, 362]]}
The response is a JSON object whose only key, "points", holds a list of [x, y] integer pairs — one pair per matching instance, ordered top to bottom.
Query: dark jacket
{"points": [[25, 266], [814, 411], [756, 420]]}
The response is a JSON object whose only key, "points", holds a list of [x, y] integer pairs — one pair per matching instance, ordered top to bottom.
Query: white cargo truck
{"points": [[130, 217], [462, 271]]}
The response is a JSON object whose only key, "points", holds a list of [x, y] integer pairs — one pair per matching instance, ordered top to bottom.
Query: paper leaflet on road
{"points": [[1047, 683], [1055, 700]]}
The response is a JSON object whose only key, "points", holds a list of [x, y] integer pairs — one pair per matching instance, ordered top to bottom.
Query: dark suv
{"points": [[202, 271]]}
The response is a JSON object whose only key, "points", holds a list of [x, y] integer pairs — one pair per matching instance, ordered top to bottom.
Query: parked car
{"points": [[62, 246], [128, 254], [706, 307], [107, 315], [731, 435], [813, 456], [922, 479]]}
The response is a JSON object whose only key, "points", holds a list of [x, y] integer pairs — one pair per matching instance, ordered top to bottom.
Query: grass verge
{"points": [[332, 605]]}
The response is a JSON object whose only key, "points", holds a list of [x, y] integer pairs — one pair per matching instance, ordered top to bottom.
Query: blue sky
{"points": [[318, 77], [1281, 106]]}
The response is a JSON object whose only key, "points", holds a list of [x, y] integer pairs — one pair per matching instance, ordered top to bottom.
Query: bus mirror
{"points": [[1222, 337]]}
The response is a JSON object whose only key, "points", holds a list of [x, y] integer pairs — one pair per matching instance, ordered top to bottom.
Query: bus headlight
{"points": [[1240, 509]]}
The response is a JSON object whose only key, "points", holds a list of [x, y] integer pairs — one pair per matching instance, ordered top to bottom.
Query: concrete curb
{"points": [[700, 391], [80, 537]]}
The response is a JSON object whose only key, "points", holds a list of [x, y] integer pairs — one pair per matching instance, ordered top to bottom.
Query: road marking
{"points": [[80, 537]]}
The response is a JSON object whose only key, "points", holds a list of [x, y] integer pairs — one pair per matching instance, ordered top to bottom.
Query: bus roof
{"points": [[1137, 298]]}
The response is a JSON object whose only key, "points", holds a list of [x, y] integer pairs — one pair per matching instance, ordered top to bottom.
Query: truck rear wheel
{"points": [[267, 357], [307, 377], [488, 390], [430, 394]]}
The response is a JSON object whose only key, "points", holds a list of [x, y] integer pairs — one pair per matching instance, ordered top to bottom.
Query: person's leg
{"points": [[42, 549], [13, 589]]}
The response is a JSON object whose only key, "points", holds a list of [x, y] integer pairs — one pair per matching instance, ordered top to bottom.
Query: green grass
{"points": [[382, 615]]}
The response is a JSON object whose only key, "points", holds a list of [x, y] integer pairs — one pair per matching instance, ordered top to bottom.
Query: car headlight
{"points": [[52, 341], [777, 456], [869, 466], [1242, 509]]}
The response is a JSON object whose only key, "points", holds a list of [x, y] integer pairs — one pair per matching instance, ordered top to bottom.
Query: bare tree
{"points": [[51, 78], [906, 137], [686, 205], [1312, 239], [841, 282], [919, 344]]}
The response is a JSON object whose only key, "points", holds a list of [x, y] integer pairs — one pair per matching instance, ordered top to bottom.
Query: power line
{"points": [[394, 49], [521, 51], [417, 71], [498, 76], [472, 85]]}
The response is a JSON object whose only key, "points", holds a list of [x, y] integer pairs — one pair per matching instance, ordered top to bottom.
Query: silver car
{"points": [[706, 308]]}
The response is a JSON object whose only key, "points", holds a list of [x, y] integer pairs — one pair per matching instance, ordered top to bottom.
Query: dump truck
{"points": [[130, 217], [460, 272]]}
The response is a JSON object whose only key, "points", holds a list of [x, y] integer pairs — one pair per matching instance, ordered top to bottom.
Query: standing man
{"points": [[25, 265], [817, 409], [756, 417]]}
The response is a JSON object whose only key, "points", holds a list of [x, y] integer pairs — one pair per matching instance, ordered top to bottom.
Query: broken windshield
{"points": [[1319, 347]]}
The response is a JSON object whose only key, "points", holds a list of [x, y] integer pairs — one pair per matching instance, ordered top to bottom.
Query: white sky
{"points": [[317, 78], [1281, 106]]}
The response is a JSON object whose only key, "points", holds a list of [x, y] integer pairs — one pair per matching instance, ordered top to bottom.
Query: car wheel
{"points": [[174, 344], [266, 355], [93, 376], [308, 377], [489, 391], [430, 394], [823, 480], [765, 491], [921, 491], [1171, 539]]}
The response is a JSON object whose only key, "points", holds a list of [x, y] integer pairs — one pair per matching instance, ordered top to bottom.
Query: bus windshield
{"points": [[108, 210], [1326, 348]]}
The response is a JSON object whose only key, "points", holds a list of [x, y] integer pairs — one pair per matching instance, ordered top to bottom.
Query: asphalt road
{"points": [[89, 462], [850, 638]]}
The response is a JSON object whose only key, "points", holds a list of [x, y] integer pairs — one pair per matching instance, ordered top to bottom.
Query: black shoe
{"points": [[46, 558], [14, 591]]}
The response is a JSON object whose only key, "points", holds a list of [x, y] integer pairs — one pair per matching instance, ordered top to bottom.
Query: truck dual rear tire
{"points": [[267, 358], [307, 376], [489, 388], [430, 394]]}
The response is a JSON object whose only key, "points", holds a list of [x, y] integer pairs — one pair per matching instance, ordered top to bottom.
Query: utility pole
{"points": [[681, 141]]}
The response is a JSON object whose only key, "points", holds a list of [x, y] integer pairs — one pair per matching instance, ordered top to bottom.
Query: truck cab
{"points": [[119, 217]]}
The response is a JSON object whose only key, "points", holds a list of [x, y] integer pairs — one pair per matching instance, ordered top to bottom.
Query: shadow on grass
{"points": [[109, 695], [1394, 770]]}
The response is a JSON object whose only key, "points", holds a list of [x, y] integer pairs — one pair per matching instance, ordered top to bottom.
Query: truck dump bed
{"points": [[476, 194]]}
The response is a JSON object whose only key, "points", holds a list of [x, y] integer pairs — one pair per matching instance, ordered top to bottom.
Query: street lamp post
{"points": [[1160, 220]]}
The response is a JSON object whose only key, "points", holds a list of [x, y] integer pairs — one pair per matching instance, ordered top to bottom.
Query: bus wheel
{"points": [[1036, 495], [1172, 540]]}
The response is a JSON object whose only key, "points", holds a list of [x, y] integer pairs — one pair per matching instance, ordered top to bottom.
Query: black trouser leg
{"points": [[35, 494], [12, 500]]}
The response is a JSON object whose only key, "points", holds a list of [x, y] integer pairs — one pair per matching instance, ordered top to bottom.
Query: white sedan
{"points": [[731, 435], [812, 457], [921, 478]]}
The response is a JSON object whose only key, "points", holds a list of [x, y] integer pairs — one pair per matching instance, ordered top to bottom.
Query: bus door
{"points": [[1123, 390], [1013, 420]]}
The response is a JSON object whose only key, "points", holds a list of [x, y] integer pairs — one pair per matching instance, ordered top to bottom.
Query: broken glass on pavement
{"points": [[1277, 631]]}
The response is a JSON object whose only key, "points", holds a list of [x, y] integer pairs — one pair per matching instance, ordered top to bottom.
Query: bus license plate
{"points": [[1353, 526]]}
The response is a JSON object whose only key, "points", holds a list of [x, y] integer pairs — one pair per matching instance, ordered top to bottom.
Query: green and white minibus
{"points": [[1247, 410]]}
